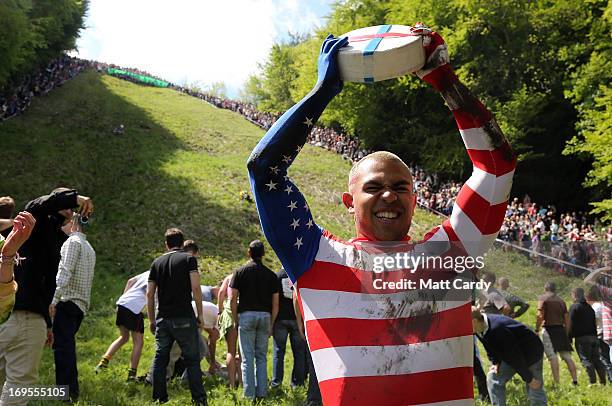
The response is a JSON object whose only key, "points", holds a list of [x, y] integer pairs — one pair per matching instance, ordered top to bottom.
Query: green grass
{"points": [[181, 162]]}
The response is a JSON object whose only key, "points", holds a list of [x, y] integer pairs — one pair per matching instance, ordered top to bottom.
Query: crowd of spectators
{"points": [[59, 70], [348, 147], [539, 231], [569, 236]]}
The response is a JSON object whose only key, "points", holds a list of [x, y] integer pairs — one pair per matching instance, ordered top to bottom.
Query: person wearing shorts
{"points": [[553, 316], [130, 321]]}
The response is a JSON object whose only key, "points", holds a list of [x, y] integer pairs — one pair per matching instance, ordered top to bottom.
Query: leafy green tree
{"points": [[34, 32], [13, 36], [538, 65], [279, 72], [218, 89], [596, 142]]}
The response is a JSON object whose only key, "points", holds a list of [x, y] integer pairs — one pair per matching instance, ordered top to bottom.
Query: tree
{"points": [[34, 32], [14, 34], [537, 65], [217, 89], [596, 142]]}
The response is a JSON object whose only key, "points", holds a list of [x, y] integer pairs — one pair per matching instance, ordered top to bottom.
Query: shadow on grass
{"points": [[66, 139]]}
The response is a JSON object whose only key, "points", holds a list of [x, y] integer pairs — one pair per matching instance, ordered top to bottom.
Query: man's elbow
{"points": [[256, 165]]}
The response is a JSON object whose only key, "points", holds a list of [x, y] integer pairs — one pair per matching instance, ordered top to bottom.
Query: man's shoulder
{"points": [[73, 241], [171, 255], [245, 267], [242, 269], [270, 274], [546, 298], [587, 307], [500, 325]]}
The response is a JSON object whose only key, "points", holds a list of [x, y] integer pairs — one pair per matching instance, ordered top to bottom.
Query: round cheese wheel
{"points": [[380, 52]]}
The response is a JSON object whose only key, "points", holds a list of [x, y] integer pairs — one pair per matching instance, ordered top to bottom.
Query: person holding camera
{"points": [[175, 277], [71, 302], [24, 334]]}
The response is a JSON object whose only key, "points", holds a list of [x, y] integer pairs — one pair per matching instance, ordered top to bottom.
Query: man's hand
{"points": [[436, 52], [329, 76], [85, 205], [23, 225], [52, 311], [200, 322], [152, 326], [49, 341], [535, 384]]}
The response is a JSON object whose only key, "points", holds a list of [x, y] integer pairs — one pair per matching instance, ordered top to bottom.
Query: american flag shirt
{"points": [[372, 348]]}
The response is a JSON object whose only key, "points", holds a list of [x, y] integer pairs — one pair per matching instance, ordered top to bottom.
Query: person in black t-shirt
{"points": [[174, 276], [257, 288], [285, 325], [583, 328]]}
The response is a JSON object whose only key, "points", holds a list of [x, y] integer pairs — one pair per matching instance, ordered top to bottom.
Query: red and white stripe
{"points": [[606, 313], [382, 348], [386, 348]]}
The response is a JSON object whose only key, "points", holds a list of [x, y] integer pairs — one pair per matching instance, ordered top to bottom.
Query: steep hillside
{"points": [[180, 162]]}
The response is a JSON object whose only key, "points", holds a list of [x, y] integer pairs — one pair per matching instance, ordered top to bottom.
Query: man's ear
{"points": [[347, 199], [414, 204]]}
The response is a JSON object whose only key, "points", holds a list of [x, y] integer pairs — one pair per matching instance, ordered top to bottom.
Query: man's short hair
{"points": [[379, 156], [60, 190], [7, 206], [174, 238], [191, 246], [256, 248], [489, 277], [503, 281], [550, 287], [594, 293], [578, 294], [476, 314]]}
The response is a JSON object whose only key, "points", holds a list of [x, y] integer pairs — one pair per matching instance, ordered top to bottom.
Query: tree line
{"points": [[32, 32], [542, 66]]}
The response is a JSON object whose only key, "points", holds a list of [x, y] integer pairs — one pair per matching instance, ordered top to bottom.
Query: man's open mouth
{"points": [[387, 215]]}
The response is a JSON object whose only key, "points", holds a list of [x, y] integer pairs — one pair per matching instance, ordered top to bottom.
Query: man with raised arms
{"points": [[375, 347]]}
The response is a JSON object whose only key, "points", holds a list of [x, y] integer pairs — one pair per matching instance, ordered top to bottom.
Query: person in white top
{"points": [[594, 299], [130, 320]]}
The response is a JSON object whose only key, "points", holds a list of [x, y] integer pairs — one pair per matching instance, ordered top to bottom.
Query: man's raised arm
{"points": [[480, 207], [284, 214]]}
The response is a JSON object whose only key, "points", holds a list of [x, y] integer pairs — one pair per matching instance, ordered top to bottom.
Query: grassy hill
{"points": [[181, 162]]}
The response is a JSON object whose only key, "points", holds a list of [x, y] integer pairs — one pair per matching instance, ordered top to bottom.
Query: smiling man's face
{"points": [[381, 198]]}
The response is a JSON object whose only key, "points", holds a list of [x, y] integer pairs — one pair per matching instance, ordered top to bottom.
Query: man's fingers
{"points": [[330, 36], [328, 44], [338, 44], [86, 208], [29, 220], [18, 224]]}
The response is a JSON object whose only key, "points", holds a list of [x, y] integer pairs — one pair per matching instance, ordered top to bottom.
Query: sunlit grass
{"points": [[181, 162]]}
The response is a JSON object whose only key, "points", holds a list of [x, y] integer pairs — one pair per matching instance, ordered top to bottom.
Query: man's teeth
{"points": [[386, 215]]}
